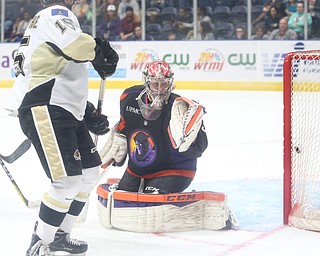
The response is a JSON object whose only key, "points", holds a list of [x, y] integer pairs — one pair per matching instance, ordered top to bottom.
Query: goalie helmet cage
{"points": [[301, 92]]}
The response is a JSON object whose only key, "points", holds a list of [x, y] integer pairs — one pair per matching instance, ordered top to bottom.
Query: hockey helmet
{"points": [[158, 83]]}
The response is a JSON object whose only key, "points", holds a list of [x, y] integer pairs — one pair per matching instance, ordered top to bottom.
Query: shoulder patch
{"points": [[59, 12]]}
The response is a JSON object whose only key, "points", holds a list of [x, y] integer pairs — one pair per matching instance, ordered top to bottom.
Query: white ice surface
{"points": [[243, 160]]}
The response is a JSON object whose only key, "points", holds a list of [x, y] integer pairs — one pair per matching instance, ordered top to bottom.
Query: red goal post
{"points": [[301, 92]]}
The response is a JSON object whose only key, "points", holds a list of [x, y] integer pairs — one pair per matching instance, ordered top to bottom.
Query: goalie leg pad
{"points": [[162, 213]]}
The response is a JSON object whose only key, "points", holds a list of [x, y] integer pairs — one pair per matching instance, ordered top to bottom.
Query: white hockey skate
{"points": [[232, 222]]}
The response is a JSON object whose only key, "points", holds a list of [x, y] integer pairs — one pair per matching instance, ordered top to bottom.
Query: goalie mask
{"points": [[158, 83]]}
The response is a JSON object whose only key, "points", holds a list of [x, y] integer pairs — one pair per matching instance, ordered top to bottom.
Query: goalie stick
{"points": [[23, 148], [29, 204], [83, 214]]}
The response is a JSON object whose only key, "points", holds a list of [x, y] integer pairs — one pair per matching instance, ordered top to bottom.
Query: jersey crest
{"points": [[59, 12], [142, 148]]}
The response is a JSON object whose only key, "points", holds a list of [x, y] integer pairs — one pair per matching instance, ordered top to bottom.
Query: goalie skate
{"points": [[232, 222]]}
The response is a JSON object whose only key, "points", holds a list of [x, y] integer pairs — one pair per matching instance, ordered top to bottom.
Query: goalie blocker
{"points": [[162, 213]]}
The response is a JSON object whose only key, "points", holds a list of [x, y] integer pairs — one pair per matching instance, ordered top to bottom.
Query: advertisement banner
{"points": [[196, 64]]}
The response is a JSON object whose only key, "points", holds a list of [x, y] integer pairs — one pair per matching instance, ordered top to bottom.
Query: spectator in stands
{"points": [[129, 3], [156, 3], [161, 3], [186, 4], [279, 4], [20, 7], [291, 7], [101, 8], [14, 11], [83, 12], [202, 15], [153, 16], [272, 20], [184, 21], [296, 21], [8, 25], [127, 25], [22, 26], [315, 26], [109, 27], [14, 29], [167, 31], [205, 32], [259, 32], [283, 32], [240, 33], [137, 35], [171, 36]]}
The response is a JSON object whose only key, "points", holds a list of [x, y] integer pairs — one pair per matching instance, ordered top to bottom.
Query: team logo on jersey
{"points": [[59, 12], [133, 110], [142, 148], [77, 155]]}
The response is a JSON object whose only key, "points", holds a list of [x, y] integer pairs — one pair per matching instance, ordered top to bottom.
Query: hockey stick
{"points": [[100, 103], [23, 148], [105, 167], [29, 204], [83, 214]]}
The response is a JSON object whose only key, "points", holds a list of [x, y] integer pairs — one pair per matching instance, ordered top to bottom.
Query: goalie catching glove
{"points": [[185, 123], [115, 149]]}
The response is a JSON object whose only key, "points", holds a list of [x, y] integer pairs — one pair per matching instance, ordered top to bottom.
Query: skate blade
{"points": [[67, 254]]}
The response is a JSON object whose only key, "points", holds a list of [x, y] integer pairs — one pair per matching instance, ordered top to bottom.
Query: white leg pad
{"points": [[163, 213]]}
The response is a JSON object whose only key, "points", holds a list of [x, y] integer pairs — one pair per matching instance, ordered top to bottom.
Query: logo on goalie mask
{"points": [[158, 83], [142, 148]]}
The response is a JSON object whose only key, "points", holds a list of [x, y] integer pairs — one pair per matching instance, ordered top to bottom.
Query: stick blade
{"points": [[25, 145], [34, 204]]}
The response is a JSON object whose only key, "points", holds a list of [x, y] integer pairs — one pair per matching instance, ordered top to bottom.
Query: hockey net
{"points": [[302, 139]]}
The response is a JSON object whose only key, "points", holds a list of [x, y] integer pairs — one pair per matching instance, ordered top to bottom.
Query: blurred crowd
{"points": [[121, 20]]}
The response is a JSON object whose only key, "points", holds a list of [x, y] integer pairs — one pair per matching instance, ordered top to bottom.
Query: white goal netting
{"points": [[305, 140]]}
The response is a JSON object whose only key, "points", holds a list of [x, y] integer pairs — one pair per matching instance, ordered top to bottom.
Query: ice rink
{"points": [[243, 160]]}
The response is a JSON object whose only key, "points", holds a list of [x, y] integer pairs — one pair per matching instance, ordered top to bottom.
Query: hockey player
{"points": [[54, 114], [162, 133]]}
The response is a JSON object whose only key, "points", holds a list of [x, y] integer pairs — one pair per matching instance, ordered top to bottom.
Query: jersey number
{"points": [[63, 24], [19, 58]]}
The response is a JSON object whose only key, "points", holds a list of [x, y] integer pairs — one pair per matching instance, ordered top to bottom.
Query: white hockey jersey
{"points": [[51, 62]]}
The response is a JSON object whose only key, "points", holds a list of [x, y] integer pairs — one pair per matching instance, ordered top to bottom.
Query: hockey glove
{"points": [[106, 59], [97, 123], [185, 123], [115, 148]]}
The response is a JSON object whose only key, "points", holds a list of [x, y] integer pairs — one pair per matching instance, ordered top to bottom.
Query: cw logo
{"points": [[175, 59], [235, 59]]}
